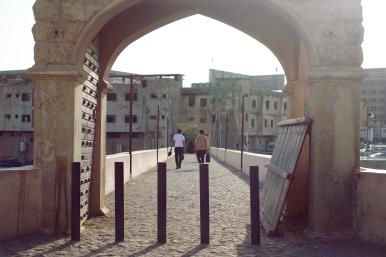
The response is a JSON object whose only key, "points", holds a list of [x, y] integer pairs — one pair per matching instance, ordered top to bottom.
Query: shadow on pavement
{"points": [[194, 250]]}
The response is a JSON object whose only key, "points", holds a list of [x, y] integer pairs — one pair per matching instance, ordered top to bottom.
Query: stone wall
{"points": [[19, 201], [370, 210]]}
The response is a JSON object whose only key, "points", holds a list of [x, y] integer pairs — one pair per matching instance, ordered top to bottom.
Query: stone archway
{"points": [[318, 45]]}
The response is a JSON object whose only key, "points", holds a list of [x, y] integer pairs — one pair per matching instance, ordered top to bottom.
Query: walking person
{"points": [[179, 144], [201, 146]]}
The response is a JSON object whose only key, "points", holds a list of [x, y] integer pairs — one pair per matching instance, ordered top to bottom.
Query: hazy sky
{"points": [[190, 46]]}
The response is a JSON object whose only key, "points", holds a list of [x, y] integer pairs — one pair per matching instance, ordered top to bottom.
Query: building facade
{"points": [[158, 92], [373, 97], [17, 105], [217, 108], [16, 118]]}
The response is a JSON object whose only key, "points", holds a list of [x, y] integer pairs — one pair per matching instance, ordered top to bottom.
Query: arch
{"points": [[158, 14]]}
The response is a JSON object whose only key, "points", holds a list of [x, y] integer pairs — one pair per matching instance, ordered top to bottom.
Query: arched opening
{"points": [[275, 28], [321, 63]]}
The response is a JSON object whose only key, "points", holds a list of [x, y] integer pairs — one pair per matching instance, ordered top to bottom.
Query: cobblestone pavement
{"points": [[229, 227]]}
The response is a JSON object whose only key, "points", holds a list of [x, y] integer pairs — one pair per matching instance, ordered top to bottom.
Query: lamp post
{"points": [[144, 84], [157, 131], [226, 131], [242, 131], [167, 135]]}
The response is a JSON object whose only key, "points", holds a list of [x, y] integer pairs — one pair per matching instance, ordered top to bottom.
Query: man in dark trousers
{"points": [[179, 144]]}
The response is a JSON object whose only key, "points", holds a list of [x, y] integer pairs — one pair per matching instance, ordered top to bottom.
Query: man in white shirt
{"points": [[179, 144]]}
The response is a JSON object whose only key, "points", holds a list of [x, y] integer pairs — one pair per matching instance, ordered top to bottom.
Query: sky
{"points": [[190, 46]]}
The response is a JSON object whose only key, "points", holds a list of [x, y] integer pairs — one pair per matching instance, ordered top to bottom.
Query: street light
{"points": [[144, 84], [157, 129], [242, 131]]}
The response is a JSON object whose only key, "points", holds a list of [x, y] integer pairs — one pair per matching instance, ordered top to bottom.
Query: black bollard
{"points": [[75, 202], [119, 202], [161, 203], [204, 203], [255, 204]]}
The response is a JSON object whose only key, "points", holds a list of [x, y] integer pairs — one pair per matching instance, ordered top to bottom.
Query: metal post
{"points": [[131, 125], [218, 127], [157, 131], [226, 131], [242, 134], [167, 136], [75, 202], [119, 202], [161, 203], [204, 203], [255, 204]]}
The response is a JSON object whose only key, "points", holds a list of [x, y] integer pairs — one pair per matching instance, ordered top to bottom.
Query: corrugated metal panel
{"points": [[280, 170]]}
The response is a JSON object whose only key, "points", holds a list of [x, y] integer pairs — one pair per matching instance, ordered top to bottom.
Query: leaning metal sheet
{"points": [[280, 170]]}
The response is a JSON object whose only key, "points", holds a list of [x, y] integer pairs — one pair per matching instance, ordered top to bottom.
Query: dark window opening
{"points": [[25, 97], [111, 97], [127, 97], [192, 101], [203, 102], [254, 103], [267, 105], [25, 118], [110, 118], [128, 118]]}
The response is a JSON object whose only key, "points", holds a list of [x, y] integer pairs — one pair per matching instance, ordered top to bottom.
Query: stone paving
{"points": [[229, 227]]}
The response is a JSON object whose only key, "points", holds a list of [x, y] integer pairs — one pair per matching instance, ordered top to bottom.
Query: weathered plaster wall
{"points": [[142, 161], [20, 201], [370, 211]]}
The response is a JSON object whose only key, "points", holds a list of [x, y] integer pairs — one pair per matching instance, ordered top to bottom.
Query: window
{"points": [[8, 95], [17, 95], [153, 95], [164, 95], [25, 97], [112, 97], [127, 97], [192, 101], [203, 102], [254, 103], [267, 104], [275, 105], [285, 106], [7, 116], [16, 116], [153, 117], [162, 117], [25, 118], [110, 118], [213, 118], [127, 119], [191, 119], [203, 120], [252, 123], [265, 123], [271, 123], [113, 135], [31, 139]]}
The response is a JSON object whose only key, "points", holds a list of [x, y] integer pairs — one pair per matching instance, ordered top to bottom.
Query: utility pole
{"points": [[131, 125], [157, 130], [242, 132]]}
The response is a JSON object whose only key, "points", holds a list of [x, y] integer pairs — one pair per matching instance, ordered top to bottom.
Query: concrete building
{"points": [[161, 90], [373, 96], [17, 104], [216, 107], [16, 118]]}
